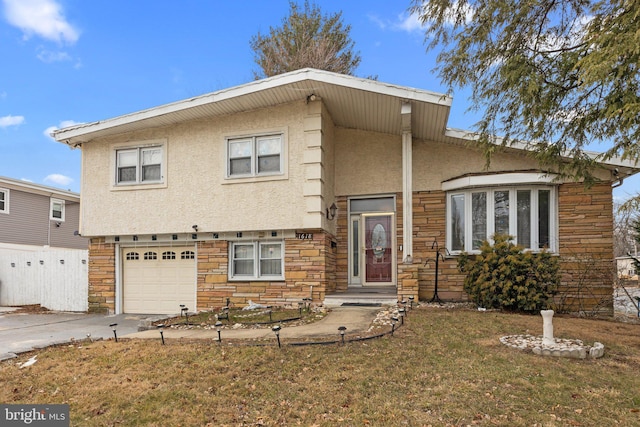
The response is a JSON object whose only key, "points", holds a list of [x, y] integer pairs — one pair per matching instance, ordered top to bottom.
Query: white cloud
{"points": [[44, 18], [376, 20], [409, 23], [48, 56], [7, 121], [63, 124], [58, 179]]}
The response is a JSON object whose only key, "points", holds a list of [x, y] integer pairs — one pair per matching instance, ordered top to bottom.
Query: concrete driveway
{"points": [[21, 332]]}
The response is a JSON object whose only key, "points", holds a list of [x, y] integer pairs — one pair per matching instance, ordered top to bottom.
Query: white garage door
{"points": [[157, 280]]}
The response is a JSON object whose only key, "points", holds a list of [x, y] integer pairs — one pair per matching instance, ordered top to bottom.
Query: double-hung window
{"points": [[254, 156], [139, 165], [4, 200], [57, 210], [528, 214], [256, 260]]}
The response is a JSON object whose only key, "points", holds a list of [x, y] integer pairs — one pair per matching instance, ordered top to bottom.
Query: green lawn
{"points": [[443, 367]]}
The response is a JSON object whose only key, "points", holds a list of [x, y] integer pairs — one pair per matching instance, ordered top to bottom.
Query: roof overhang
{"points": [[352, 102], [621, 168], [30, 187]]}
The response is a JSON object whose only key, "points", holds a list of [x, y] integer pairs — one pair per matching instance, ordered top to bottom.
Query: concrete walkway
{"points": [[356, 320], [22, 332]]}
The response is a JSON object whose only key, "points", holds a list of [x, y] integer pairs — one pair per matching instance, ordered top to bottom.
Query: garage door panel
{"points": [[158, 286]]}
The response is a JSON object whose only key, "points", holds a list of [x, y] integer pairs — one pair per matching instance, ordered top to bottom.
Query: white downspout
{"points": [[407, 185]]}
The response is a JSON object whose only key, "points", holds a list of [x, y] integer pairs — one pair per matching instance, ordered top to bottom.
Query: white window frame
{"points": [[139, 147], [254, 158], [52, 204], [5, 209], [513, 212], [256, 275]]}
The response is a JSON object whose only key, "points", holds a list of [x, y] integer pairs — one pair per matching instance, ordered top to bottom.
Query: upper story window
{"points": [[255, 156], [139, 165], [4, 200], [57, 210], [528, 214], [257, 260]]}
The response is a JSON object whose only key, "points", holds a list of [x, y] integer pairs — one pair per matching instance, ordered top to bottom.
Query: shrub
{"points": [[506, 277]]}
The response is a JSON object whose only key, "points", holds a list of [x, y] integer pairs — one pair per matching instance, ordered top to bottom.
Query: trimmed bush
{"points": [[504, 276]]}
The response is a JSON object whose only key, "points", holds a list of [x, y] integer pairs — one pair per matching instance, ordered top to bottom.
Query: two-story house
{"points": [[316, 184], [43, 257]]}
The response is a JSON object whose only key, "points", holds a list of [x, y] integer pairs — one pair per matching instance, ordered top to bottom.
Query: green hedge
{"points": [[506, 277]]}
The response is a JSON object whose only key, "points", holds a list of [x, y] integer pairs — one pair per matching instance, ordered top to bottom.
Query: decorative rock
{"points": [[561, 347]]}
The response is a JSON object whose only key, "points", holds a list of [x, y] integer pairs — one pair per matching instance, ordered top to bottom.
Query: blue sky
{"points": [[74, 61]]}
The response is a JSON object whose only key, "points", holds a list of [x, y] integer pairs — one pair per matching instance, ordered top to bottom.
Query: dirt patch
{"points": [[33, 308]]}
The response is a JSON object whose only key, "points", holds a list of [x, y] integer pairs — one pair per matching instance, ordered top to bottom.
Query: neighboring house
{"points": [[316, 184], [43, 259], [626, 268]]}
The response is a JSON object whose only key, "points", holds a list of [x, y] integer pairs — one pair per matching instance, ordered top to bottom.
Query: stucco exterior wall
{"points": [[371, 163], [196, 191]]}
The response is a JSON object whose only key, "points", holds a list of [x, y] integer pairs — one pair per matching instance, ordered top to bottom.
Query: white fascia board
{"points": [[253, 87], [519, 145], [514, 178], [30, 187]]}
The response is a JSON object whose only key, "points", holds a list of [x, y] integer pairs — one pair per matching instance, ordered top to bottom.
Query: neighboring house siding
{"points": [[28, 220], [64, 236]]}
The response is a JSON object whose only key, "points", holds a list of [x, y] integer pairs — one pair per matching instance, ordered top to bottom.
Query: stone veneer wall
{"points": [[429, 226], [585, 227], [586, 248], [309, 271], [102, 276]]}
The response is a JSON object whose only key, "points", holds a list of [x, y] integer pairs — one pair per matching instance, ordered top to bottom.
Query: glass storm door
{"points": [[377, 249]]}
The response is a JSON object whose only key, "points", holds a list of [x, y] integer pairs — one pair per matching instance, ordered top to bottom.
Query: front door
{"points": [[377, 255]]}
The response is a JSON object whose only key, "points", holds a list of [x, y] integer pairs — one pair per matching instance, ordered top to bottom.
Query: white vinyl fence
{"points": [[55, 279]]}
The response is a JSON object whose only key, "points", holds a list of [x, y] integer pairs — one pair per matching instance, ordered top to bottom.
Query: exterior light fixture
{"points": [[331, 211], [411, 298], [185, 310], [401, 313], [224, 314], [394, 320], [218, 327], [113, 328], [161, 328], [342, 329], [276, 330]]}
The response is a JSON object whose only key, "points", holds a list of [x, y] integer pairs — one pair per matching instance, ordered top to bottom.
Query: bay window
{"points": [[527, 214], [256, 260]]}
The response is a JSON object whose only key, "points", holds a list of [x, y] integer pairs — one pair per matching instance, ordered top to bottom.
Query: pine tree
{"points": [[306, 38], [555, 75]]}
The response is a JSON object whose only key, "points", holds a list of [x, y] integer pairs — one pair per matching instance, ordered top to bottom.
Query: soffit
{"points": [[352, 103]]}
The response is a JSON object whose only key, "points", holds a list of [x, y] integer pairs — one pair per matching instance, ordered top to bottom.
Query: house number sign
{"points": [[304, 236]]}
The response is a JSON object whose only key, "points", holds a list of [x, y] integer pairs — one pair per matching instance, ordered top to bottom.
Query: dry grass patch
{"points": [[444, 367]]}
